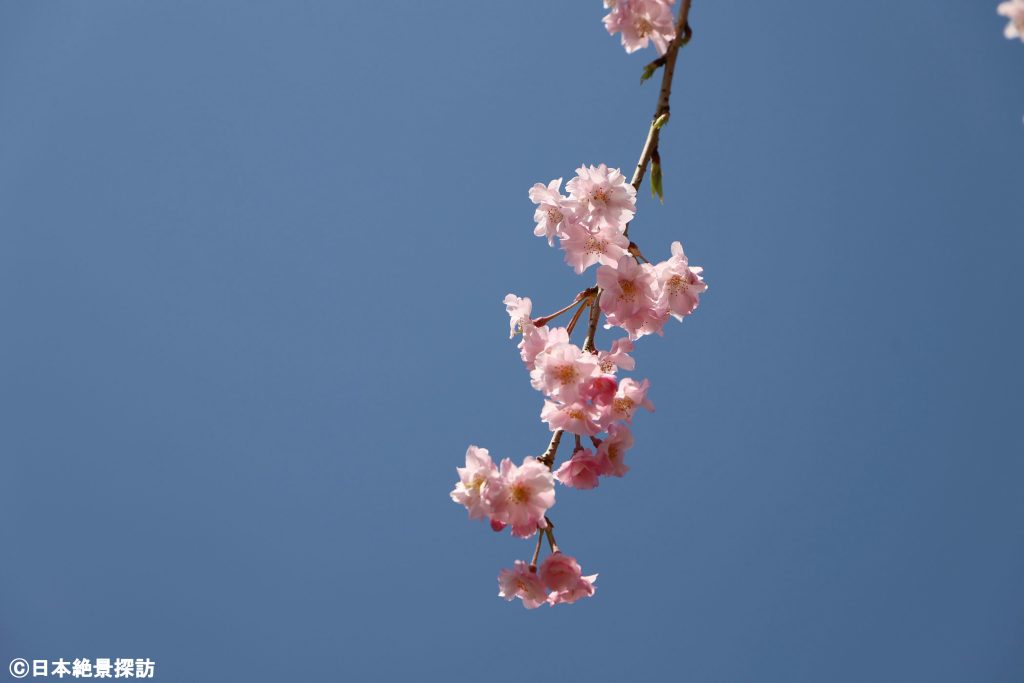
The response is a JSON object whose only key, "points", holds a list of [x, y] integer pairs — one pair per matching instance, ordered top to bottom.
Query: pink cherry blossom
{"points": [[1014, 11], [642, 22], [603, 197], [552, 209], [584, 246], [680, 285], [627, 287], [629, 297], [519, 309], [537, 339], [617, 357], [560, 371], [600, 390], [630, 396], [578, 418], [611, 453], [581, 471], [472, 480], [520, 496], [560, 572], [522, 582], [584, 588]]}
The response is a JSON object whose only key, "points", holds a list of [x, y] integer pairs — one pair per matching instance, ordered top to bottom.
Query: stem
{"points": [[582, 296], [595, 315], [575, 319], [579, 446], [549, 455], [549, 532], [536, 552]]}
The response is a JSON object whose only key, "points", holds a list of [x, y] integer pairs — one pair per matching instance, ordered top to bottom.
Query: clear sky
{"points": [[252, 258]]}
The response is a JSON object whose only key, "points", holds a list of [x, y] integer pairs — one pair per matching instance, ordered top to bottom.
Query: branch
{"points": [[683, 34], [595, 316], [549, 455]]}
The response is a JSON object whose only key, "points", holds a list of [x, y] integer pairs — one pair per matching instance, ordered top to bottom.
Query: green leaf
{"points": [[648, 71], [660, 121], [656, 185]]}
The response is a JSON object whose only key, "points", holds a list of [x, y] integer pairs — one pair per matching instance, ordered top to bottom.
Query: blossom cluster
{"points": [[1014, 11], [641, 22], [590, 224], [583, 393], [509, 495], [559, 581]]}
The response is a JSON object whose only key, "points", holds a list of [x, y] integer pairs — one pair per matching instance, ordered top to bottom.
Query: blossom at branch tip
{"points": [[1014, 11], [642, 22], [603, 197], [552, 209], [680, 284], [519, 309], [560, 371], [578, 418], [611, 453], [581, 471], [472, 480], [520, 496], [560, 572], [522, 582], [584, 588]]}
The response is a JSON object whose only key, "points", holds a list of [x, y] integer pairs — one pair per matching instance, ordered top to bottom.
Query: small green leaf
{"points": [[648, 71], [660, 121], [656, 186]]}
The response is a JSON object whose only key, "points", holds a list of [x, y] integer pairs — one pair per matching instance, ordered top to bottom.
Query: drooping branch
{"points": [[662, 111]]}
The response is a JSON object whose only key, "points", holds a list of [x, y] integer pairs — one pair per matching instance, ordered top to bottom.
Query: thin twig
{"points": [[581, 297], [575, 319], [550, 533], [536, 552]]}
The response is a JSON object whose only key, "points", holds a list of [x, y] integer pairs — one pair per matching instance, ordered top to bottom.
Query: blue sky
{"points": [[252, 258]]}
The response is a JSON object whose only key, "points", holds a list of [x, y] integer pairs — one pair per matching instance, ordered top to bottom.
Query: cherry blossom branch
{"points": [[661, 113], [660, 118], [582, 393]]}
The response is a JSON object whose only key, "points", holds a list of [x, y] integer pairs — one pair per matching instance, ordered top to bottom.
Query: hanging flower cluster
{"points": [[584, 393]]}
